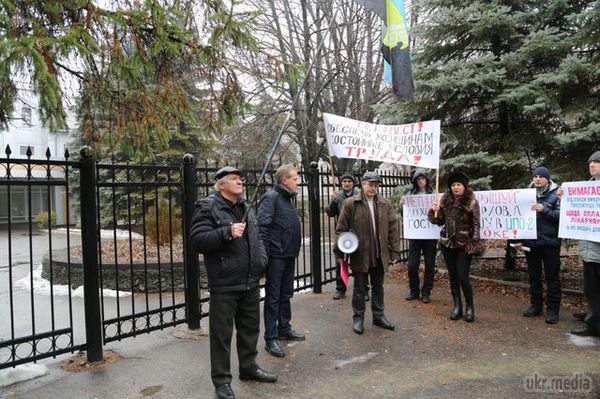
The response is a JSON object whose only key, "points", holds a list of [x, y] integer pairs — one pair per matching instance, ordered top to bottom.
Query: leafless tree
{"points": [[345, 78]]}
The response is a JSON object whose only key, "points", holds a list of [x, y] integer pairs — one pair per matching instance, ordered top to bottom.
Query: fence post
{"points": [[315, 226], [89, 245], [192, 298]]}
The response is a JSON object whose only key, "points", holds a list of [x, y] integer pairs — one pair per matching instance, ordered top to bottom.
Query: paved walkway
{"points": [[428, 356]]}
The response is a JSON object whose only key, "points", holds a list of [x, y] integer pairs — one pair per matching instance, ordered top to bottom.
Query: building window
{"points": [[26, 114], [23, 150]]}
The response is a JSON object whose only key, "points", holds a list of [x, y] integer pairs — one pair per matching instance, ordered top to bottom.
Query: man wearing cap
{"points": [[333, 210], [371, 217], [281, 234], [545, 250], [589, 252], [235, 259]]}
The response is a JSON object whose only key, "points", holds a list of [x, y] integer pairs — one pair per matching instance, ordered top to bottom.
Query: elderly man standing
{"points": [[371, 217], [281, 234], [545, 250], [589, 252], [235, 259]]}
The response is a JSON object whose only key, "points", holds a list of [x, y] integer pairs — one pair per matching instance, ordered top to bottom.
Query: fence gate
{"points": [[126, 270], [40, 315]]}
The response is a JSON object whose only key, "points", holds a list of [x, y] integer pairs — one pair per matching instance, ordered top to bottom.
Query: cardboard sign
{"points": [[580, 211], [504, 215], [414, 218]]}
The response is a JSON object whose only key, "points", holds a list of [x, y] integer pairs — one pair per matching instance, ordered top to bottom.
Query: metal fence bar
{"points": [[315, 227], [89, 243], [191, 257]]}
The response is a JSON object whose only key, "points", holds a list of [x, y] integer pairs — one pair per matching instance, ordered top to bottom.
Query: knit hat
{"points": [[595, 157], [542, 171], [419, 172], [348, 176], [371, 176], [458, 177]]}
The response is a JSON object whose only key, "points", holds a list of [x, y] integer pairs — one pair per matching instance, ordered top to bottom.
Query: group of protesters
{"points": [[238, 251]]}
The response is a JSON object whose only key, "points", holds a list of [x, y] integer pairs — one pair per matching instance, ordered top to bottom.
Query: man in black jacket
{"points": [[421, 186], [333, 210], [281, 235], [235, 259]]}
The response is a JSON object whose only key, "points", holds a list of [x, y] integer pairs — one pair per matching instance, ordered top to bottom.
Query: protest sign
{"points": [[416, 144], [580, 211], [507, 214], [504, 215], [414, 218]]}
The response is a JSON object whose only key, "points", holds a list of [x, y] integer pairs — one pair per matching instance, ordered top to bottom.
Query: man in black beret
{"points": [[235, 258]]}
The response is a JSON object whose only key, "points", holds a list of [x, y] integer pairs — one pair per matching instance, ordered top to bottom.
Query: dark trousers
{"points": [[415, 248], [549, 259], [459, 268], [361, 281], [339, 283], [279, 289], [591, 290], [227, 308]]}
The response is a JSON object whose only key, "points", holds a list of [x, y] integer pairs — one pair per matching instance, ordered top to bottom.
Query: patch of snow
{"points": [[107, 234], [41, 286], [583, 341], [356, 359], [21, 373]]}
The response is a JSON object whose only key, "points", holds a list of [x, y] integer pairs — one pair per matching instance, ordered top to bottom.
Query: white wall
{"points": [[22, 133]]}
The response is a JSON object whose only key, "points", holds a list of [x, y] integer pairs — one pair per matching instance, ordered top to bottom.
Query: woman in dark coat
{"points": [[458, 212]]}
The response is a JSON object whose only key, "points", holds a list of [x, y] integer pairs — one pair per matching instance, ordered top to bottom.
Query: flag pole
{"points": [[330, 161], [437, 188]]}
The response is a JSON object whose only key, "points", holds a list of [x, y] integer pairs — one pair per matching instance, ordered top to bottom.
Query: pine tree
{"points": [[147, 72], [513, 82]]}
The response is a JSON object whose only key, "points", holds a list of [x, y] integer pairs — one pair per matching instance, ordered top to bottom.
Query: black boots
{"points": [[457, 311], [533, 311], [469, 313], [358, 326]]}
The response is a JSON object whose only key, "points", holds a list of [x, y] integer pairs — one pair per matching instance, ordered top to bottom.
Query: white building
{"points": [[25, 131]]}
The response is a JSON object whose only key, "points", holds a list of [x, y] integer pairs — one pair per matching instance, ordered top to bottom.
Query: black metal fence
{"points": [[118, 267]]}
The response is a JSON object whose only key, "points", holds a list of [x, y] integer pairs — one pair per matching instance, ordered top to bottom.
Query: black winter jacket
{"points": [[335, 206], [547, 220], [279, 223], [231, 264]]}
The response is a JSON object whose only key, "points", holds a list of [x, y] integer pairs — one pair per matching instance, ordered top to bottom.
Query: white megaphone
{"points": [[347, 242]]}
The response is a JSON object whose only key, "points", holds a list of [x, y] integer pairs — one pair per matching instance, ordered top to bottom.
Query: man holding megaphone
{"points": [[372, 219]]}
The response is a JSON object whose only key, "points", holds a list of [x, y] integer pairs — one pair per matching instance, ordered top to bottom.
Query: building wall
{"points": [[25, 129]]}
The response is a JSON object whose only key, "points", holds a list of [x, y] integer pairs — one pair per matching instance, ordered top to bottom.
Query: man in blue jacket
{"points": [[280, 232], [545, 250], [235, 259]]}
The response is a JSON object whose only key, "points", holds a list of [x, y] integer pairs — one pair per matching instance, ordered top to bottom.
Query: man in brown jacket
{"points": [[372, 218]]}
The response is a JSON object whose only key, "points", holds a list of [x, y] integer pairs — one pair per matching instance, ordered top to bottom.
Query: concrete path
{"points": [[501, 355]]}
